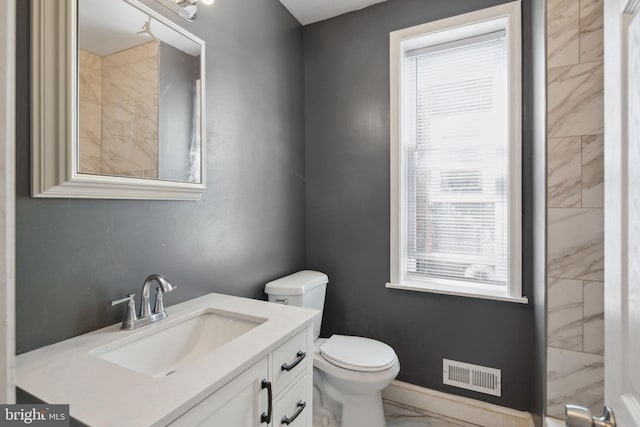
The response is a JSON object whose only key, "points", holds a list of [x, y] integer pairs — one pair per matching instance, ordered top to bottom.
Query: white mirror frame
{"points": [[54, 115]]}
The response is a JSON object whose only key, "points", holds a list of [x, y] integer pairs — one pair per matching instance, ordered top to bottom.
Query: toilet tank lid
{"points": [[296, 283]]}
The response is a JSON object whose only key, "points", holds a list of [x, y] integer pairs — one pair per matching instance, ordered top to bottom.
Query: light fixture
{"points": [[187, 9]]}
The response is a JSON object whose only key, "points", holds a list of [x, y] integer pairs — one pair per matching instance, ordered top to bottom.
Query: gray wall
{"points": [[347, 209], [75, 255]]}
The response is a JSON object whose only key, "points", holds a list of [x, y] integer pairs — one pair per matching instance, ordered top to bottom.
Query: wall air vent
{"points": [[471, 377]]}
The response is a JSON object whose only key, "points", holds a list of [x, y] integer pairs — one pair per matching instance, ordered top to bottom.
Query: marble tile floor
{"points": [[399, 415]]}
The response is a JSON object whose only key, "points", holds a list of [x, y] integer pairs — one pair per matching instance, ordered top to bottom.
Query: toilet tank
{"points": [[302, 289]]}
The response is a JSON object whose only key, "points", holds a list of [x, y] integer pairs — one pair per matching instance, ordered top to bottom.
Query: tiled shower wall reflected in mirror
{"points": [[119, 112], [575, 203]]}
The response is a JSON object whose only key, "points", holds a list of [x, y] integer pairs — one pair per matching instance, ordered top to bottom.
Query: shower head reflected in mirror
{"points": [[187, 9]]}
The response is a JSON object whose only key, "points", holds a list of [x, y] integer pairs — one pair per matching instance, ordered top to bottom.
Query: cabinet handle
{"points": [[299, 356], [300, 405], [266, 418]]}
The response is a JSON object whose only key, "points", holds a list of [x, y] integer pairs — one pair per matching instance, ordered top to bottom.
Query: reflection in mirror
{"points": [[139, 95]]}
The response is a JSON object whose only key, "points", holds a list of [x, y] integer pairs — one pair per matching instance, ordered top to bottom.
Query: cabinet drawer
{"points": [[290, 360], [295, 403]]}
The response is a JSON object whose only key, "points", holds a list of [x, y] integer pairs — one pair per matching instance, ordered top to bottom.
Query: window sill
{"points": [[461, 293]]}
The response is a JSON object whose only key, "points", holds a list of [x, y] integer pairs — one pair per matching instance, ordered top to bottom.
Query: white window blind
{"points": [[455, 142]]}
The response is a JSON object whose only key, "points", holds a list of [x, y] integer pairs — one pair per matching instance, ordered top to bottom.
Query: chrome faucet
{"points": [[158, 310], [146, 316]]}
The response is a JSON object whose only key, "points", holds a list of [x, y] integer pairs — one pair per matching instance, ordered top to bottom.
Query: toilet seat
{"points": [[357, 353]]}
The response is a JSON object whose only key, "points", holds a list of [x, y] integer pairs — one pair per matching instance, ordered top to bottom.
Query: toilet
{"points": [[348, 372]]}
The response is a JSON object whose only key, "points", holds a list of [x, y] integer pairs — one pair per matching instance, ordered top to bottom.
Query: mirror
{"points": [[139, 95], [134, 123]]}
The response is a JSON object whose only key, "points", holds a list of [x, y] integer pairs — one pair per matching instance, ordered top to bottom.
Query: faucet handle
{"points": [[120, 301], [159, 305], [130, 316]]}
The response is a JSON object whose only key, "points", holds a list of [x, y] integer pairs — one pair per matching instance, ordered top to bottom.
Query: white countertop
{"points": [[101, 393]]}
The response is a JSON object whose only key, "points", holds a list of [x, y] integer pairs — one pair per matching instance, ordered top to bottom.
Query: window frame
{"points": [[400, 42]]}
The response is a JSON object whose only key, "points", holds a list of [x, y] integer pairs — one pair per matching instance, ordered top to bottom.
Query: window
{"points": [[456, 155]]}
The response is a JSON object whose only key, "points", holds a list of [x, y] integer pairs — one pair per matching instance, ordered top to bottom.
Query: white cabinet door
{"points": [[622, 209], [240, 403]]}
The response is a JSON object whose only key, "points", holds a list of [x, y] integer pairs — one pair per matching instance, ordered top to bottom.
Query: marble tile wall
{"points": [[90, 95], [130, 112], [575, 200], [577, 377]]}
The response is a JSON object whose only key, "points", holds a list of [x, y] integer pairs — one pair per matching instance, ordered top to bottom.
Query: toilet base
{"points": [[334, 408], [364, 410], [354, 414], [319, 421]]}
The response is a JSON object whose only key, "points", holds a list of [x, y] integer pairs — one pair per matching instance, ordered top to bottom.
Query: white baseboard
{"points": [[460, 408]]}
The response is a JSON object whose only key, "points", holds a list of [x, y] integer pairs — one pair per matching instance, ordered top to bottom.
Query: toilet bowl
{"points": [[349, 372]]}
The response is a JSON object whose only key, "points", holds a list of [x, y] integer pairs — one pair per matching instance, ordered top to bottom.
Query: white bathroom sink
{"points": [[206, 342], [163, 351]]}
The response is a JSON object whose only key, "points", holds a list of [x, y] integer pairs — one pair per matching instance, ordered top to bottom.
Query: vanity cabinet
{"points": [[211, 362], [246, 400]]}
